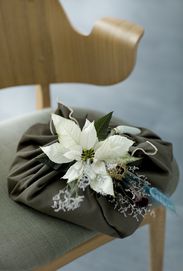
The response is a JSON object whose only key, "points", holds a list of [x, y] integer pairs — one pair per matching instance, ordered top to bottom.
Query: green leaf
{"points": [[102, 126], [43, 159], [129, 159], [73, 187]]}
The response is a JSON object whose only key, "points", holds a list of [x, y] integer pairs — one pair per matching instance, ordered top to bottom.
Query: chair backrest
{"points": [[38, 45]]}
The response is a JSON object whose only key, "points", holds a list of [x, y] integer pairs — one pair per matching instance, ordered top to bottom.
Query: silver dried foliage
{"points": [[83, 182], [66, 201], [127, 207]]}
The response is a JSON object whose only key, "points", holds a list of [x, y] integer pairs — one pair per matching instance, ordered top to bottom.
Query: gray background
{"points": [[152, 97]]}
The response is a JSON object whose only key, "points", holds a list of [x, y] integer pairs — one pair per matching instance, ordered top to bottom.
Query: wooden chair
{"points": [[38, 45]]}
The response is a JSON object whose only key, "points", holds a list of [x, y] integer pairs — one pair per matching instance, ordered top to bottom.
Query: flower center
{"points": [[88, 155]]}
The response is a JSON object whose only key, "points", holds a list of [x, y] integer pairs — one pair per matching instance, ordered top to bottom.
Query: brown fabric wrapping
{"points": [[34, 184]]}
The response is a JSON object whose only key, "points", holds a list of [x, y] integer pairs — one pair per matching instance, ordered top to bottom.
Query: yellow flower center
{"points": [[88, 154]]}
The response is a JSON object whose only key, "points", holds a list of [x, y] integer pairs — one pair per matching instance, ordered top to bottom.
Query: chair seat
{"points": [[29, 239]]}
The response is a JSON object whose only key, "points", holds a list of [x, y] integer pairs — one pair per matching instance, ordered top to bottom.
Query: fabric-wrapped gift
{"points": [[100, 174]]}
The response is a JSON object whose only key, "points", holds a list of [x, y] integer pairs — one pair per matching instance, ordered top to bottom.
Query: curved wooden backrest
{"points": [[38, 45]]}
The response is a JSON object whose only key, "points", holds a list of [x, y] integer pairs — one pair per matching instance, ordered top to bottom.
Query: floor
{"points": [[152, 97]]}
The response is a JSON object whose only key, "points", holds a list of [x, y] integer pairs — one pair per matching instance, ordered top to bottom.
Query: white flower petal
{"points": [[87, 123], [122, 129], [68, 131], [88, 136], [98, 145], [113, 147], [55, 153], [74, 154], [99, 168], [74, 172], [89, 172], [103, 185]]}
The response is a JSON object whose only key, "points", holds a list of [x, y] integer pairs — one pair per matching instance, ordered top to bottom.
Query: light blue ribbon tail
{"points": [[154, 193], [162, 198]]}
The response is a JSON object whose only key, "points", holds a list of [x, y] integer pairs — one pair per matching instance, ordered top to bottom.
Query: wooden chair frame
{"points": [[38, 45]]}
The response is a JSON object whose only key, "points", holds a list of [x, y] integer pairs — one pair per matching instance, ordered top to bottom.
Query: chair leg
{"points": [[157, 239], [91, 244]]}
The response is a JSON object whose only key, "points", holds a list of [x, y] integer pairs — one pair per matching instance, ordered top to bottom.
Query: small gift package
{"points": [[98, 173]]}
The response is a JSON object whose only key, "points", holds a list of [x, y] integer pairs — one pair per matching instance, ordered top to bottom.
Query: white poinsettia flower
{"points": [[90, 155]]}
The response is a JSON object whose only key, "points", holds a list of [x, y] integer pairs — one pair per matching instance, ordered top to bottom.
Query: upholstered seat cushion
{"points": [[28, 238]]}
